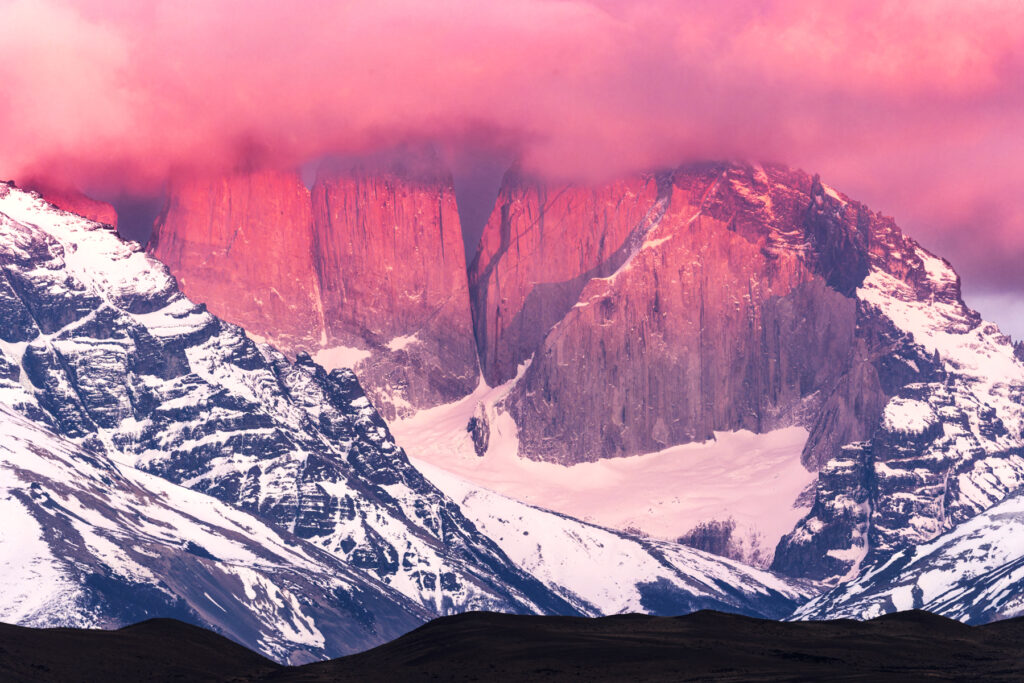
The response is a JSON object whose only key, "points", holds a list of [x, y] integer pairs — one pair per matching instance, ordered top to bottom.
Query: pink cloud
{"points": [[914, 107]]}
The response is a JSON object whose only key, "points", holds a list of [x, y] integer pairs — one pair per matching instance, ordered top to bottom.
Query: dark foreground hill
{"points": [[497, 647], [154, 650]]}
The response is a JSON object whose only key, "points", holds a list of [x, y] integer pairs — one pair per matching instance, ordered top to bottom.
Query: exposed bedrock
{"points": [[368, 269]]}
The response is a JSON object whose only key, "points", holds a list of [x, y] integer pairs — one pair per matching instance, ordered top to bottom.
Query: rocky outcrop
{"points": [[242, 244], [391, 262], [366, 271]]}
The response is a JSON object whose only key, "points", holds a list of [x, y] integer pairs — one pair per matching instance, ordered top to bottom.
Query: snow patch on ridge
{"points": [[337, 357], [908, 415]]}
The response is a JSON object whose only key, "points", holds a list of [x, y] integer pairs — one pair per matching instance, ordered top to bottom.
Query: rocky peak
{"points": [[241, 244]]}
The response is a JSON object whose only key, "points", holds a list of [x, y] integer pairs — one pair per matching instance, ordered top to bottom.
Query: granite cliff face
{"points": [[241, 244], [539, 249], [391, 262], [366, 271], [750, 297]]}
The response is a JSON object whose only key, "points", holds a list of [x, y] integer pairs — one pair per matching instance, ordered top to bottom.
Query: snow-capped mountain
{"points": [[724, 297], [626, 320], [100, 346], [160, 463], [88, 543], [973, 573]]}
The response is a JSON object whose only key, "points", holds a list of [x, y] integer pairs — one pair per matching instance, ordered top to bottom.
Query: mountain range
{"points": [[300, 418]]}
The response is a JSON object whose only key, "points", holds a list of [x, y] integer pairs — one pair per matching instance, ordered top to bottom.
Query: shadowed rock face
{"points": [[539, 249], [369, 261], [696, 302]]}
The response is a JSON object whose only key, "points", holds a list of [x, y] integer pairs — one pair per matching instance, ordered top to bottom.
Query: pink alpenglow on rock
{"points": [[365, 271]]}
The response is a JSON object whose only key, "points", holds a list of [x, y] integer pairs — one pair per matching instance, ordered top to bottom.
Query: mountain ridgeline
{"points": [[650, 312], [224, 412], [158, 462]]}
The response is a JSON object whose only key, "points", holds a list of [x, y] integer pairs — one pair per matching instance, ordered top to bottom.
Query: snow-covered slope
{"points": [[99, 345], [752, 480], [88, 543], [609, 572], [974, 573]]}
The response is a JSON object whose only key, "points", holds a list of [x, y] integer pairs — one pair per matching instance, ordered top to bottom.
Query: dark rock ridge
{"points": [[366, 271], [705, 646], [154, 650]]}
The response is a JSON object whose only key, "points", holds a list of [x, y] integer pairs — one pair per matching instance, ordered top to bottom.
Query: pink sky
{"points": [[915, 108]]}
